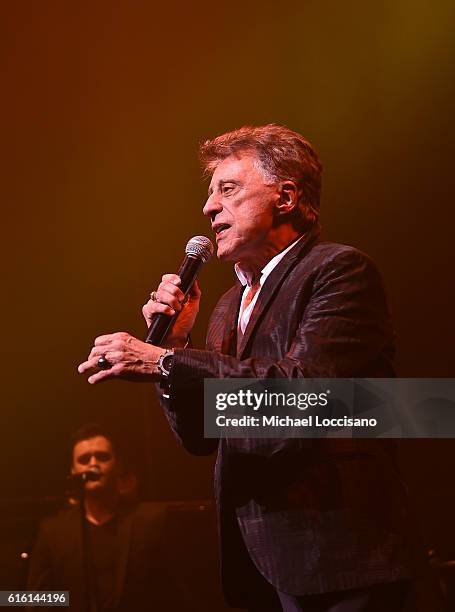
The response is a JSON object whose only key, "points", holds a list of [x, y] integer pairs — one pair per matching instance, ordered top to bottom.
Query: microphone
{"points": [[198, 251], [93, 474]]}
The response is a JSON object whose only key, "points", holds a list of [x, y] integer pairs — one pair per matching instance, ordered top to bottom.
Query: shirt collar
{"points": [[267, 269]]}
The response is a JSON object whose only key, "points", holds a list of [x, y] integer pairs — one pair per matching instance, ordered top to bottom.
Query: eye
{"points": [[226, 189], [102, 456], [84, 459]]}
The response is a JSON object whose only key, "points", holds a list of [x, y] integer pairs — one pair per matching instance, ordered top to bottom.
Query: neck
{"points": [[277, 241], [99, 509]]}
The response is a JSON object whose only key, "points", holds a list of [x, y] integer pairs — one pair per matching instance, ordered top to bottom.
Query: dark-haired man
{"points": [[305, 525], [113, 557]]}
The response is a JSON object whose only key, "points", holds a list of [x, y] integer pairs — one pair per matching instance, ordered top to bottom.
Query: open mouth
{"points": [[221, 229]]}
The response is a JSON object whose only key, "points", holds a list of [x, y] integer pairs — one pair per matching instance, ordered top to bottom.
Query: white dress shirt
{"points": [[246, 306]]}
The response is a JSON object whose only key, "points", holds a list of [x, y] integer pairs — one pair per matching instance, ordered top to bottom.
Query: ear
{"points": [[288, 201]]}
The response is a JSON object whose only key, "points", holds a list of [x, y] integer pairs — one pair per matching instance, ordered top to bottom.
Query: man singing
{"points": [[311, 525], [108, 550]]}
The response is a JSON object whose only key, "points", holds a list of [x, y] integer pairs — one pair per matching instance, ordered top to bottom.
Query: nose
{"points": [[212, 207], [93, 460]]}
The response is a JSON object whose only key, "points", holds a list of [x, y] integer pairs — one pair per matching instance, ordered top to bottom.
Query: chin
{"points": [[224, 253], [94, 485]]}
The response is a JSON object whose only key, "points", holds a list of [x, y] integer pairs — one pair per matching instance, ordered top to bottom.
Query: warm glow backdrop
{"points": [[103, 106]]}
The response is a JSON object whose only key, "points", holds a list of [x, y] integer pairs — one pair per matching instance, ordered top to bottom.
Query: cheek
{"points": [[260, 214], [255, 225]]}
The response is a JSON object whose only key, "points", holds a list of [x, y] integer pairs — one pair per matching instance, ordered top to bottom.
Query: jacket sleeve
{"points": [[344, 328], [40, 571]]}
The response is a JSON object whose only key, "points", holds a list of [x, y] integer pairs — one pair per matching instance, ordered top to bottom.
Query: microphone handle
{"points": [[160, 322]]}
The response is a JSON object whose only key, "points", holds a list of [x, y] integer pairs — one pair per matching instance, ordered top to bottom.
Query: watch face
{"points": [[166, 364]]}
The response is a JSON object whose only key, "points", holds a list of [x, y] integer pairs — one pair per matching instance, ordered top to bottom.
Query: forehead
{"points": [[234, 167], [92, 445]]}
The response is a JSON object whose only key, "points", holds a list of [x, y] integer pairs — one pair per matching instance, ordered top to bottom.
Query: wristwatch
{"points": [[164, 365]]}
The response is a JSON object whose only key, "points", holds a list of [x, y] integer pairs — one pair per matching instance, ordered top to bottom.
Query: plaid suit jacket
{"points": [[314, 515]]}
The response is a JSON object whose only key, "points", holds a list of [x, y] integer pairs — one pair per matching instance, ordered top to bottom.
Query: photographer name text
{"points": [[288, 421]]}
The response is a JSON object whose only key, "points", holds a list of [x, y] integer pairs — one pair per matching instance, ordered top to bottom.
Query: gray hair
{"points": [[281, 154]]}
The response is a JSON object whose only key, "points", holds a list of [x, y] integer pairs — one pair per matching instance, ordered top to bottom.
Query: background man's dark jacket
{"points": [[315, 515], [143, 571]]}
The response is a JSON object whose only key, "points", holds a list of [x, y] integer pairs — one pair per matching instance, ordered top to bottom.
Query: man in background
{"points": [[107, 551]]}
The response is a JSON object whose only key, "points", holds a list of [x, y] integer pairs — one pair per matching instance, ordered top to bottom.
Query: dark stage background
{"points": [[103, 106]]}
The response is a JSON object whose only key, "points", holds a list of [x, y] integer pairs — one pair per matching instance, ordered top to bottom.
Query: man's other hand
{"points": [[129, 359]]}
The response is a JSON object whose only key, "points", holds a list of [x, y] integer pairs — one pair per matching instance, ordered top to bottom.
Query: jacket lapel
{"points": [[273, 283], [229, 341]]}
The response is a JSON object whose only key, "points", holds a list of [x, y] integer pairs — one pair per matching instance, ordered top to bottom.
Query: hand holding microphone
{"points": [[170, 300], [173, 307], [170, 313]]}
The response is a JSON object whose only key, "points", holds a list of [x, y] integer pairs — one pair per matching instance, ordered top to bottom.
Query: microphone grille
{"points": [[201, 247]]}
